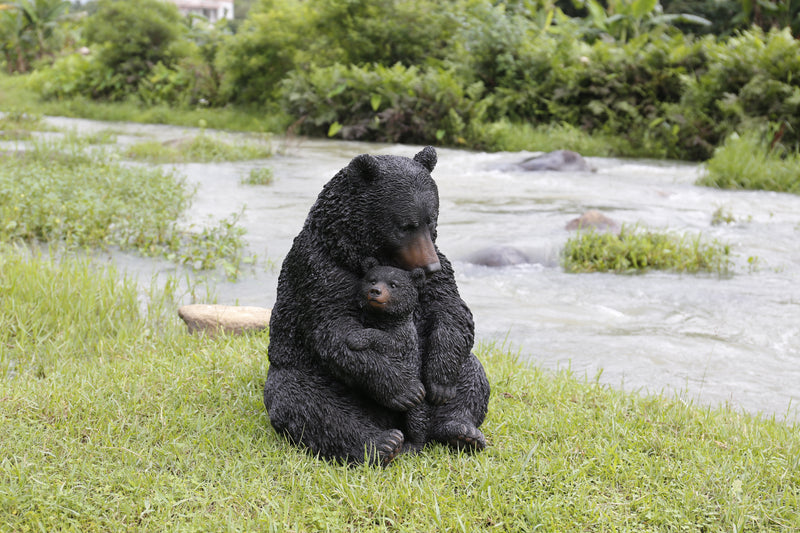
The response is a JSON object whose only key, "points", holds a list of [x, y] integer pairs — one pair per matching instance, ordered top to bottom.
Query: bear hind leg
{"points": [[329, 420]]}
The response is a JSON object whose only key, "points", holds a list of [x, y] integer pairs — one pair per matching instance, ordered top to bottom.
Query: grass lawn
{"points": [[114, 418]]}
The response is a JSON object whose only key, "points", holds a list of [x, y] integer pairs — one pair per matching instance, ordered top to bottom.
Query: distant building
{"points": [[210, 9]]}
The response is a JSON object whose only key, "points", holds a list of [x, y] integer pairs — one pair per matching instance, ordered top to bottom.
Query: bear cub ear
{"points": [[427, 158], [364, 167], [368, 264], [418, 277]]}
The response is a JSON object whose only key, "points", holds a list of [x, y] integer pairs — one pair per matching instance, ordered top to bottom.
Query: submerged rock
{"points": [[561, 160], [593, 219], [498, 256], [214, 319]]}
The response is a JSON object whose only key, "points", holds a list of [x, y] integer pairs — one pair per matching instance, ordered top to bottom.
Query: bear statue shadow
{"points": [[347, 399]]}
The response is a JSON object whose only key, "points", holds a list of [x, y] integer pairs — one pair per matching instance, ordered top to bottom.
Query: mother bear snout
{"points": [[419, 252]]}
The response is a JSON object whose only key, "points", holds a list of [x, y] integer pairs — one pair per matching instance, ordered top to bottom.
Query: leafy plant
{"points": [[627, 19], [28, 31], [133, 37], [394, 104], [753, 161], [259, 176], [634, 250]]}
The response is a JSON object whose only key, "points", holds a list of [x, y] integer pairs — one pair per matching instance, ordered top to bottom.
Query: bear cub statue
{"points": [[387, 297], [336, 386]]}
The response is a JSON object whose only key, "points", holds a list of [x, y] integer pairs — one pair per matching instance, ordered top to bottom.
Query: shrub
{"points": [[280, 36], [132, 37], [747, 79], [377, 103], [748, 161], [633, 250]]}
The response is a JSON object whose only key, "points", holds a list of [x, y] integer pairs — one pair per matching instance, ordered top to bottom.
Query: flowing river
{"points": [[706, 339]]}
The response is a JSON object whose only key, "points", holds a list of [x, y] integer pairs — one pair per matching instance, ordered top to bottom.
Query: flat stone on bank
{"points": [[214, 319]]}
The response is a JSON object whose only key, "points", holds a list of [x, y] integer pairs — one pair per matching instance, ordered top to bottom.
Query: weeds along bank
{"points": [[462, 73], [85, 191], [115, 418]]}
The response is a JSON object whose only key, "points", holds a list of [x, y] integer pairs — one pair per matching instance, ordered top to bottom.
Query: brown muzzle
{"points": [[418, 252]]}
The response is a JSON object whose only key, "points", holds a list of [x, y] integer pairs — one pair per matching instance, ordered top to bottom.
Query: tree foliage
{"points": [[29, 31], [134, 36], [667, 77]]}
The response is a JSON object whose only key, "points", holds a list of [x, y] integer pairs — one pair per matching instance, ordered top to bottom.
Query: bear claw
{"points": [[467, 438], [390, 447]]}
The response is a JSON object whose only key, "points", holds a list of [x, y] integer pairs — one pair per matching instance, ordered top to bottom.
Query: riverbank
{"points": [[16, 97], [115, 418]]}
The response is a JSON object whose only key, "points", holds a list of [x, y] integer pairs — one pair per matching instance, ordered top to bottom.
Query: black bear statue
{"points": [[334, 396]]}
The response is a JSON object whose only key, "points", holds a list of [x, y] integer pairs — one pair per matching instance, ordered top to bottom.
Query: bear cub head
{"points": [[389, 292]]}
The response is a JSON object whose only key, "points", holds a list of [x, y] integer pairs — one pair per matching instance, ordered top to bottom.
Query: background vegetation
{"points": [[667, 79]]}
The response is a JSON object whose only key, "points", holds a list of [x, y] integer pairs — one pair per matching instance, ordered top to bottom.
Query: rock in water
{"points": [[560, 160], [593, 219], [498, 256], [214, 319]]}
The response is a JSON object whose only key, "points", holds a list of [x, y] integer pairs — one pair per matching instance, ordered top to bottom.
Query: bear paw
{"points": [[408, 398], [464, 437], [389, 446]]}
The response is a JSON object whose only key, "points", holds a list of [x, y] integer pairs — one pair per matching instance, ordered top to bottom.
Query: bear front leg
{"points": [[446, 333], [445, 352], [456, 423]]}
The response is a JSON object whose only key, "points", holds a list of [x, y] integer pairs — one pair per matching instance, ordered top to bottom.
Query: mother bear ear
{"points": [[427, 158], [364, 168]]}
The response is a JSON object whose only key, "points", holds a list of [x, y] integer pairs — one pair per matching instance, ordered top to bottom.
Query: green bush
{"points": [[132, 37], [264, 50], [747, 80], [378, 103], [748, 161], [634, 250]]}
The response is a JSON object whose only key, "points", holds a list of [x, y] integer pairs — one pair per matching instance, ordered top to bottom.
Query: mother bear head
{"points": [[386, 207]]}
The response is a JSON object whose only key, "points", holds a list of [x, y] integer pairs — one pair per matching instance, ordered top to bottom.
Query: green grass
{"points": [[17, 96], [18, 125], [512, 137], [198, 149], [746, 162], [259, 176], [69, 192], [636, 250], [115, 419]]}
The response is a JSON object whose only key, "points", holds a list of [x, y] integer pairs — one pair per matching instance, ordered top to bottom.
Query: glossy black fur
{"points": [[350, 404]]}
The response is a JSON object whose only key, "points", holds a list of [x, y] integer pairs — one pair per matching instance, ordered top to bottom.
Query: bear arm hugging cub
{"points": [[329, 388]]}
